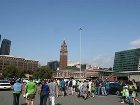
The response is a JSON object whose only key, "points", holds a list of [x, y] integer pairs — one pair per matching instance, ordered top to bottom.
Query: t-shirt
{"points": [[73, 82], [62, 83], [52, 87], [17, 88], [31, 88], [45, 88], [126, 92]]}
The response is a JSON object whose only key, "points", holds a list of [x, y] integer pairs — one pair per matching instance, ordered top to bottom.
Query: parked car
{"points": [[5, 85], [138, 86], [114, 88]]}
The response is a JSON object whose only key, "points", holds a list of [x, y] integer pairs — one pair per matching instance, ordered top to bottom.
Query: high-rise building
{"points": [[0, 37], [5, 47], [63, 56], [128, 60], [53, 65]]}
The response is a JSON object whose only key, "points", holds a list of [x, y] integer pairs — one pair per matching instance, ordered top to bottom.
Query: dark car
{"points": [[138, 86], [113, 88]]}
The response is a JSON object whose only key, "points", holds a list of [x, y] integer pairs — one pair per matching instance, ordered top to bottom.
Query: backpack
{"points": [[70, 84], [17, 87]]}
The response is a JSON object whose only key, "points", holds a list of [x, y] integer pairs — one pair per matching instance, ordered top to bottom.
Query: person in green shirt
{"points": [[30, 91], [134, 91], [125, 94]]}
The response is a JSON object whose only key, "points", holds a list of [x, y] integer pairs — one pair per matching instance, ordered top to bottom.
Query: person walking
{"points": [[73, 86], [98, 86], [62, 87], [70, 87], [90, 87], [17, 89], [93, 89], [103, 89], [30, 91], [44, 92], [134, 92], [52, 94]]}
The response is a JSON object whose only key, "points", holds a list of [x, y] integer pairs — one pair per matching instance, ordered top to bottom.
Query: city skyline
{"points": [[37, 28]]}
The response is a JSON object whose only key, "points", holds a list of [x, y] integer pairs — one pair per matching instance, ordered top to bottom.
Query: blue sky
{"points": [[38, 27]]}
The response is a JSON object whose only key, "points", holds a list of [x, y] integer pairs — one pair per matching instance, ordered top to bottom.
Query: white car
{"points": [[5, 85]]}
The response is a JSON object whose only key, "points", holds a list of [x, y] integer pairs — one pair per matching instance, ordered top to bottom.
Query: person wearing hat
{"points": [[17, 87], [125, 94]]}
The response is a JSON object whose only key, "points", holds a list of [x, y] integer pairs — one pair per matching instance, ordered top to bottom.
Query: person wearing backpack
{"points": [[17, 87], [44, 93]]}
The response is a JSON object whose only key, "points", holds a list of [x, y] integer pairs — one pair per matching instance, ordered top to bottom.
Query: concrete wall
{"points": [[136, 77]]}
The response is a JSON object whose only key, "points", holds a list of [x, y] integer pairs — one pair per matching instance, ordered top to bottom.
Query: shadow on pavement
{"points": [[24, 104], [58, 104]]}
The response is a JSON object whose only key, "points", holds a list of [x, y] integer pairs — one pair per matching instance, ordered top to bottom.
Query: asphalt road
{"points": [[6, 99]]}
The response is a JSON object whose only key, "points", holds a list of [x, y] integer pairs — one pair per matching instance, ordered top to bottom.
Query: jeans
{"points": [[99, 90], [103, 91], [43, 98], [16, 99], [52, 99]]}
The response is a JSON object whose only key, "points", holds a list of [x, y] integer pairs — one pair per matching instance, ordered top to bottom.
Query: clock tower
{"points": [[63, 55]]}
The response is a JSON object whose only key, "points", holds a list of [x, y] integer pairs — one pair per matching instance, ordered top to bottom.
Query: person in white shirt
{"points": [[73, 86], [90, 87]]}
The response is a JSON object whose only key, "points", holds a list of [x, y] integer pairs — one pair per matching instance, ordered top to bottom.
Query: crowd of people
{"points": [[46, 89], [50, 89]]}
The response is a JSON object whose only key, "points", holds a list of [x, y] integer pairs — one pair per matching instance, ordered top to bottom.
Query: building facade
{"points": [[5, 47], [63, 56], [128, 60], [21, 63], [53, 65], [86, 74]]}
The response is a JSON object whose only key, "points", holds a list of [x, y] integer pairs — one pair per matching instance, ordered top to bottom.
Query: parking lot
{"points": [[6, 99]]}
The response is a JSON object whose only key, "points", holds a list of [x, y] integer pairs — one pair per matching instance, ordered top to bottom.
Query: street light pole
{"points": [[80, 51]]}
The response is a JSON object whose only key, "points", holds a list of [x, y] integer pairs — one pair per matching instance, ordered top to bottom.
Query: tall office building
{"points": [[0, 37], [5, 47], [63, 56], [128, 60], [53, 65]]}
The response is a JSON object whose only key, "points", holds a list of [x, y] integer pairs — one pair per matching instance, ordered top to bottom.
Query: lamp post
{"points": [[80, 51]]}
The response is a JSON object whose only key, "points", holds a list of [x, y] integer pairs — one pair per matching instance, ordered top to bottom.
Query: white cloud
{"points": [[135, 43], [103, 61]]}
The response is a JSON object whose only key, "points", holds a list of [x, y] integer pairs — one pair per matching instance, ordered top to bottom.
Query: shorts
{"points": [[30, 96]]}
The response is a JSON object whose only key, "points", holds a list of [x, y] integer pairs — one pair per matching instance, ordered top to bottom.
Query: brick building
{"points": [[21, 63]]}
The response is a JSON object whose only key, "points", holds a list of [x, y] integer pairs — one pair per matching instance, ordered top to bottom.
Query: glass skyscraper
{"points": [[5, 47], [128, 60], [53, 65]]}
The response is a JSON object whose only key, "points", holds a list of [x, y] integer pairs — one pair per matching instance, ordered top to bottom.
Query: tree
{"points": [[110, 69], [12, 72], [44, 72]]}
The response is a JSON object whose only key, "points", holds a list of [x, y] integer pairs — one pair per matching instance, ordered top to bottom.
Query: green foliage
{"points": [[12, 72], [44, 72]]}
